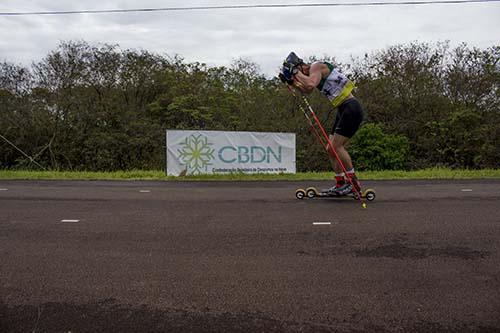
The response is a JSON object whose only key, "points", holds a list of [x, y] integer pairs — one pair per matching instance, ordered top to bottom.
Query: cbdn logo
{"points": [[196, 153], [253, 154]]}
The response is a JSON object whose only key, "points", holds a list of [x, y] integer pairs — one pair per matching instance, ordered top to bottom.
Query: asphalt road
{"points": [[247, 257]]}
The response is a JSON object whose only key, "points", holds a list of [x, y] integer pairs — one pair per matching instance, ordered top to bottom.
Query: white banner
{"points": [[215, 152]]}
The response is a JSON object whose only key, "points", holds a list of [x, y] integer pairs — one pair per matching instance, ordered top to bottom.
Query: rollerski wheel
{"points": [[311, 192], [300, 194], [369, 194]]}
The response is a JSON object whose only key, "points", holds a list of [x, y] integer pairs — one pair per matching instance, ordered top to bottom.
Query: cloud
{"points": [[264, 36]]}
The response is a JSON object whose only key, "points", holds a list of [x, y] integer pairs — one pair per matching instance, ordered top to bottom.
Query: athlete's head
{"points": [[292, 60], [296, 64], [291, 66]]}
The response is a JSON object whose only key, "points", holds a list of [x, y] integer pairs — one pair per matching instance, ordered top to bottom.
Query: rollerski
{"points": [[312, 192]]}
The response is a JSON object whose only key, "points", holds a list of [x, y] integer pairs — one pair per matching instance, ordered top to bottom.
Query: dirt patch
{"points": [[399, 250], [109, 316]]}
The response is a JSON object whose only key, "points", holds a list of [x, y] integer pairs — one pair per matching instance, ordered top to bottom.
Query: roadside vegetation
{"points": [[101, 108], [429, 174]]}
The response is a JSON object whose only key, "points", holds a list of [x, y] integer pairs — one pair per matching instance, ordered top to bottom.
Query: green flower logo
{"points": [[196, 153]]}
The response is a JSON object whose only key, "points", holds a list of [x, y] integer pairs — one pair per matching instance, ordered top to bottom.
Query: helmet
{"points": [[293, 60], [289, 68]]}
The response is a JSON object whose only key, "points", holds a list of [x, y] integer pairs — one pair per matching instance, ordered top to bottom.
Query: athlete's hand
{"points": [[298, 84]]}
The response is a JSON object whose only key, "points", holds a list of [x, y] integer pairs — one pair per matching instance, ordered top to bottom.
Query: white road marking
{"points": [[3, 189], [466, 190], [145, 191], [70, 221], [322, 223]]}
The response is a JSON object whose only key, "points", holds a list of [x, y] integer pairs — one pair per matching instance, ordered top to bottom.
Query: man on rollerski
{"points": [[338, 89]]}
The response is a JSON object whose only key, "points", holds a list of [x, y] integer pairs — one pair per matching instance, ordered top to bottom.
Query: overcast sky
{"points": [[264, 36]]}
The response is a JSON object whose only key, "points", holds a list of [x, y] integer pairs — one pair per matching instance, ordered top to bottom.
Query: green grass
{"points": [[434, 173]]}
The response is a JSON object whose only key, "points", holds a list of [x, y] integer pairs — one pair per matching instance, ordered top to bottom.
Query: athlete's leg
{"points": [[347, 121], [338, 142]]}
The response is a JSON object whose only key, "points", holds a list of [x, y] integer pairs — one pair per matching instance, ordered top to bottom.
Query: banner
{"points": [[216, 152]]}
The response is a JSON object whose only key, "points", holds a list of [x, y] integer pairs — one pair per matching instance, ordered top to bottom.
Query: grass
{"points": [[433, 173]]}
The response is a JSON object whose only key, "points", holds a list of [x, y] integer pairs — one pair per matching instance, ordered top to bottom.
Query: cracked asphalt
{"points": [[246, 257]]}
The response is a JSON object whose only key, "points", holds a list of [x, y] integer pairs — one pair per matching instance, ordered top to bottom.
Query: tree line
{"points": [[98, 107]]}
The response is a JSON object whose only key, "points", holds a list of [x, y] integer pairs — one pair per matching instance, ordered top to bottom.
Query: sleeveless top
{"points": [[336, 86]]}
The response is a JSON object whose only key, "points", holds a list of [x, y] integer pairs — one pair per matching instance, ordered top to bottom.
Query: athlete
{"points": [[338, 89]]}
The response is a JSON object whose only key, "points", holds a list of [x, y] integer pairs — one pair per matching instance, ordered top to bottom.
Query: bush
{"points": [[372, 149]]}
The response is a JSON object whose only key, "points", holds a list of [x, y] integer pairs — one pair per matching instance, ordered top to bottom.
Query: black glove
{"points": [[286, 75]]}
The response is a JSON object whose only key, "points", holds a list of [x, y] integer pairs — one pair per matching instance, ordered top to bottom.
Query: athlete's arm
{"points": [[307, 83]]}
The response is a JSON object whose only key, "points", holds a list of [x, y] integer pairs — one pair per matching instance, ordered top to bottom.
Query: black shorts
{"points": [[349, 118]]}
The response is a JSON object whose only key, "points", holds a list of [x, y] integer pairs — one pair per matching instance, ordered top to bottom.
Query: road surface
{"points": [[93, 256]]}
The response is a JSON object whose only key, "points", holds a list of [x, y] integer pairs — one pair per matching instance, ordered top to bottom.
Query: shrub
{"points": [[372, 149]]}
